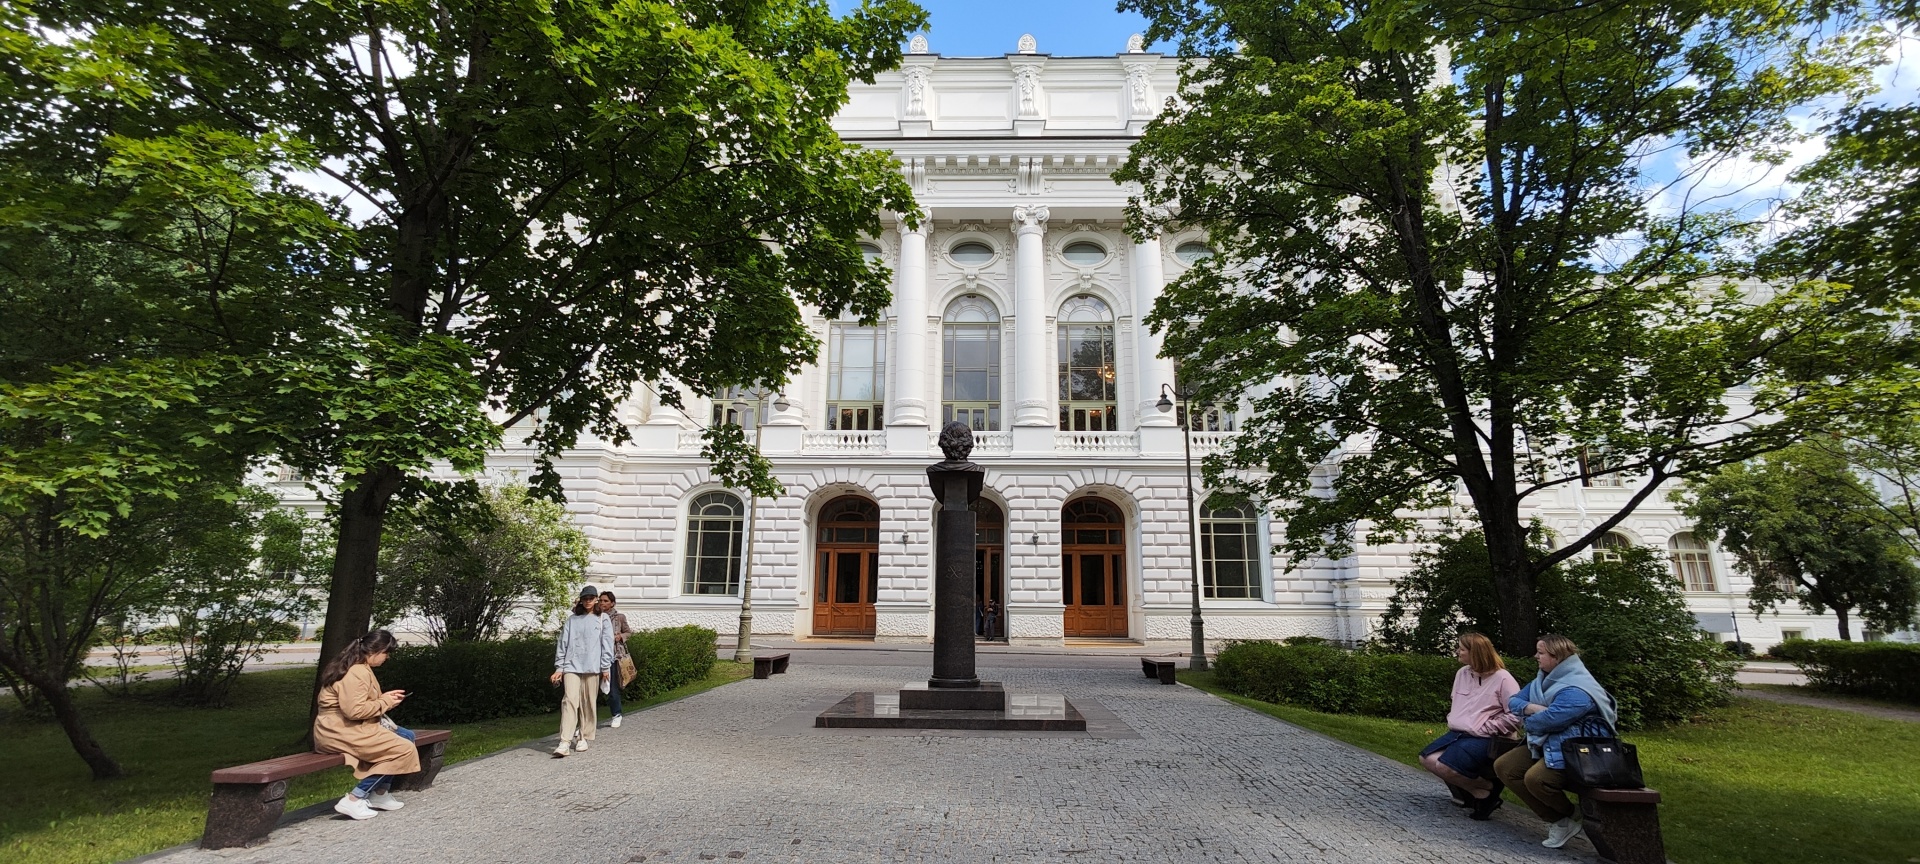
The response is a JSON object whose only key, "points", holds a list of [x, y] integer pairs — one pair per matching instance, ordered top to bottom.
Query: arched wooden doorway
{"points": [[1093, 568], [846, 571], [989, 572]]}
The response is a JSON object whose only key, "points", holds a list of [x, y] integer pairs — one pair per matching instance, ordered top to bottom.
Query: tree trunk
{"points": [[356, 560], [1512, 585], [1840, 615], [61, 701]]}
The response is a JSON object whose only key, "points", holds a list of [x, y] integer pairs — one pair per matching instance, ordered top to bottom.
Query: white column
{"points": [[1151, 369], [1031, 372], [909, 375]]}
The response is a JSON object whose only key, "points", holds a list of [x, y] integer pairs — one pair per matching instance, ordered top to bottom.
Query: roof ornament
{"points": [[1136, 44], [918, 45], [1028, 45]]}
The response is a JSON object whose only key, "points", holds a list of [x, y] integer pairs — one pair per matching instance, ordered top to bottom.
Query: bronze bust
{"points": [[956, 441]]}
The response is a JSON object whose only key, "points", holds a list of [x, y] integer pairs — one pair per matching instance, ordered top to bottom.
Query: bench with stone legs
{"points": [[769, 665], [1161, 669], [248, 800], [1623, 824]]}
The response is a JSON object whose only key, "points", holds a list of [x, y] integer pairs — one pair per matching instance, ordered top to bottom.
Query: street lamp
{"points": [[1199, 627], [743, 647]]}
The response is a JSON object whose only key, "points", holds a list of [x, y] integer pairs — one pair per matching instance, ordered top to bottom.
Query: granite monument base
{"points": [[989, 696], [1037, 713]]}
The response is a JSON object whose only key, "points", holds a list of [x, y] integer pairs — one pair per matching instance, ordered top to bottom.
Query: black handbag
{"points": [[1601, 763]]}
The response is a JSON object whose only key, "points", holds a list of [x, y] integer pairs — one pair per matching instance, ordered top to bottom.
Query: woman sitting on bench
{"points": [[1565, 701], [353, 721], [1463, 757]]}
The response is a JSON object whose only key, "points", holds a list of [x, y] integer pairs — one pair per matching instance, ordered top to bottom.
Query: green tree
{"points": [[566, 198], [1435, 229], [1802, 524], [466, 569]]}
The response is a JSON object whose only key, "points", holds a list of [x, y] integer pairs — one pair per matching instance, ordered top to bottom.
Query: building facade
{"points": [[1018, 303]]}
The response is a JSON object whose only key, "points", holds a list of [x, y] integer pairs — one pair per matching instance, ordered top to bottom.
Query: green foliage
{"points": [[1464, 277], [1808, 530], [466, 567], [233, 588], [1447, 592], [668, 658], [1886, 670], [1341, 681]]}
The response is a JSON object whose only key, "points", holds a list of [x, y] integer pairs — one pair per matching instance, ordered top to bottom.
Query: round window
{"points": [[1191, 251], [972, 252], [1083, 253]]}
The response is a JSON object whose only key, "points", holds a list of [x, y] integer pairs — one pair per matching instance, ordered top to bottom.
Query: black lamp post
{"points": [[1199, 627], [743, 647]]}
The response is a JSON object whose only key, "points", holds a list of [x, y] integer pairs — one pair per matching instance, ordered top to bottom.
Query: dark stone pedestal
{"points": [[989, 696], [1039, 713], [243, 814]]}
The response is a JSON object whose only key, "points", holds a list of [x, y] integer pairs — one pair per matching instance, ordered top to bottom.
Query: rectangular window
{"points": [[970, 376], [856, 377], [1089, 390], [1207, 418], [1602, 469], [713, 557], [1230, 562], [1789, 635]]}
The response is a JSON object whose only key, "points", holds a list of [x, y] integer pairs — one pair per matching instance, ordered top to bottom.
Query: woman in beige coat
{"points": [[352, 709]]}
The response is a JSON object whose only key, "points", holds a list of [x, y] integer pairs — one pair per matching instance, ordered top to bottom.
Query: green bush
{"points": [[669, 658], [1887, 670], [461, 682], [1416, 687]]}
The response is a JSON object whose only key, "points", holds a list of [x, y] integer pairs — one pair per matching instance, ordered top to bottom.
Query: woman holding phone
{"points": [[353, 721]]}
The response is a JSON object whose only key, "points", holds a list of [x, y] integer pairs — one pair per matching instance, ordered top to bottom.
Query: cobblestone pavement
{"points": [[1167, 774]]}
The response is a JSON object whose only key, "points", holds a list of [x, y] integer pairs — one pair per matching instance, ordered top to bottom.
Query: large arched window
{"points": [[970, 364], [856, 377], [1089, 379], [715, 523], [1611, 546], [1229, 553], [1692, 562]]}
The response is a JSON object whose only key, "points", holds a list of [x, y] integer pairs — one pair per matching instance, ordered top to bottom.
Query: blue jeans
{"points": [[613, 688], [377, 784]]}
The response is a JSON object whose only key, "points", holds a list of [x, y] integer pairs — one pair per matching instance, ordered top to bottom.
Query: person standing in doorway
{"points": [[617, 622], [582, 659]]}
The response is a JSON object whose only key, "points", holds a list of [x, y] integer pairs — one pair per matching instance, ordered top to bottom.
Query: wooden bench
{"points": [[769, 665], [1161, 669], [248, 800], [1623, 824]]}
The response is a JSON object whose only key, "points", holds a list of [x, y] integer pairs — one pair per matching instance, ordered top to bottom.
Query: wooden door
{"points": [[846, 568], [1093, 569]]}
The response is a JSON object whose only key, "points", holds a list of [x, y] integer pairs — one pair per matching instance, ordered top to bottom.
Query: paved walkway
{"points": [[1819, 701], [1165, 774]]}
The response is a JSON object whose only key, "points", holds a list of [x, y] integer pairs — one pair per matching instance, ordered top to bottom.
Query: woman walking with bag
{"points": [[580, 662], [621, 662], [1564, 701], [353, 721], [1463, 757]]}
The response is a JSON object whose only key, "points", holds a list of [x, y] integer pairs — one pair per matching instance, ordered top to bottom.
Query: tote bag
{"points": [[1601, 763]]}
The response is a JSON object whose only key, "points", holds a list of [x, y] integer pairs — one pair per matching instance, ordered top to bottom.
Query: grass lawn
{"points": [[1757, 783], [56, 814]]}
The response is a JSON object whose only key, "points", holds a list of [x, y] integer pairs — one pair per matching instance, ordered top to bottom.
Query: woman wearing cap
{"points": [[581, 660]]}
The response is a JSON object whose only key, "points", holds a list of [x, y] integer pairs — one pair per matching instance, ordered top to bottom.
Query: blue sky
{"points": [[979, 28]]}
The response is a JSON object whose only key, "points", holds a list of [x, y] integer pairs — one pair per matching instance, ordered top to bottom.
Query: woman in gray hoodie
{"points": [[582, 659]]}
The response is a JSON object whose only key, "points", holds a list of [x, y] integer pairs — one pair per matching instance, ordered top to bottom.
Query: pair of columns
{"points": [[1034, 399]]}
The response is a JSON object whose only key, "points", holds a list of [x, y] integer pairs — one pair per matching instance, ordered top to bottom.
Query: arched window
{"points": [[870, 251], [1191, 251], [971, 253], [1084, 253], [970, 364], [856, 377], [1089, 383], [727, 409], [850, 519], [1091, 521], [715, 523], [989, 523], [1610, 546], [1229, 553], [1691, 562]]}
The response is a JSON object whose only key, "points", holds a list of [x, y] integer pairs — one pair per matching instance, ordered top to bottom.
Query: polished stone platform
{"points": [[923, 696], [1043, 712]]}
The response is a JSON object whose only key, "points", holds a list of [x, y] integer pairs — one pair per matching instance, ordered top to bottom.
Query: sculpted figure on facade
{"points": [[1027, 44], [1136, 44], [917, 45], [1028, 79], [1140, 85], [916, 90]]}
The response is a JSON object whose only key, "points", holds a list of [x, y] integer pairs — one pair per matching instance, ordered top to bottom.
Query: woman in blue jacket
{"points": [[1563, 701]]}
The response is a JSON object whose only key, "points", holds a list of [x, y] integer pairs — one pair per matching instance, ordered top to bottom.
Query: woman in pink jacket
{"points": [[1463, 757]]}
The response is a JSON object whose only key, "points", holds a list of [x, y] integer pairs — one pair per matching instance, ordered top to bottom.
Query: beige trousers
{"points": [[579, 705], [1542, 789]]}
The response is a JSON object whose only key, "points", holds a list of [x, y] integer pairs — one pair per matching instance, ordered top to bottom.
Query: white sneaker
{"points": [[615, 722], [581, 746], [561, 751], [384, 801], [354, 808], [1560, 832]]}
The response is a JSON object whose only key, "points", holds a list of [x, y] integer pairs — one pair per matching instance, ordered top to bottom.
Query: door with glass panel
{"points": [[846, 565], [1093, 569], [989, 575]]}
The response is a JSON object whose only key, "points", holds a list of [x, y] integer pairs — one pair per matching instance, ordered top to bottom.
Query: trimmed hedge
{"points": [[1887, 670], [462, 682], [1416, 687]]}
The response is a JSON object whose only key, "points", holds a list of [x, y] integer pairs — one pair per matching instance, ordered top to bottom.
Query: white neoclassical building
{"points": [[1017, 309]]}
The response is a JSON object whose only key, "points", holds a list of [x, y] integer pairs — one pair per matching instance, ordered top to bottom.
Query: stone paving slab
{"points": [[728, 775]]}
